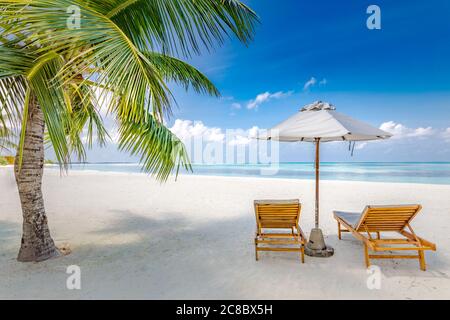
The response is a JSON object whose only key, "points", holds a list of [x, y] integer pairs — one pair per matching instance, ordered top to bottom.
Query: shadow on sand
{"points": [[170, 256]]}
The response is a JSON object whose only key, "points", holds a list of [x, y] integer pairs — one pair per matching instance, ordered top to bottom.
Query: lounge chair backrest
{"points": [[277, 213], [387, 218]]}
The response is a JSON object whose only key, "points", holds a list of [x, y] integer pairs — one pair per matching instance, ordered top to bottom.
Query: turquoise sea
{"points": [[409, 172]]}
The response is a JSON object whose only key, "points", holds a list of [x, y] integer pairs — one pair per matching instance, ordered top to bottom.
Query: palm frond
{"points": [[180, 26], [101, 44], [125, 47], [14, 61], [14, 64], [172, 69], [12, 97], [86, 114], [7, 139], [160, 151]]}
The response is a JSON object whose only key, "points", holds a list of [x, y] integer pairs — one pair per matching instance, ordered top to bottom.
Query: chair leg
{"points": [[339, 230], [378, 235], [256, 250], [303, 253], [366, 255], [423, 265]]}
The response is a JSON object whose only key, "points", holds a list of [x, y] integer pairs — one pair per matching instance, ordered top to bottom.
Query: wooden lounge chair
{"points": [[279, 215], [377, 219]]}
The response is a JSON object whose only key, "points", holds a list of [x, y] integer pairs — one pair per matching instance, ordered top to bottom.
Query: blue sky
{"points": [[303, 51]]}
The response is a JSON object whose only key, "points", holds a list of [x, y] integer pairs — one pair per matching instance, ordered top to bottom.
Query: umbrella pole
{"points": [[317, 182], [316, 246]]}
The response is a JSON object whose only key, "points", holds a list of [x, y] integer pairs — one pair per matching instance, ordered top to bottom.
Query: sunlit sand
{"points": [[135, 238]]}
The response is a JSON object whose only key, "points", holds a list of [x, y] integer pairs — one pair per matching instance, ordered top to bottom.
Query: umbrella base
{"points": [[316, 246], [321, 253]]}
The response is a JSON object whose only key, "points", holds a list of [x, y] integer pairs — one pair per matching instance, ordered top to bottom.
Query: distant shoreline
{"points": [[284, 162], [397, 172]]}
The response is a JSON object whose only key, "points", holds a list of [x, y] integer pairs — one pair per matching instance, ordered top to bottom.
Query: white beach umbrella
{"points": [[320, 122]]}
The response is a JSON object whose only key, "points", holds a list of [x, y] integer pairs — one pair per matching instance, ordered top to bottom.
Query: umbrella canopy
{"points": [[320, 120]]}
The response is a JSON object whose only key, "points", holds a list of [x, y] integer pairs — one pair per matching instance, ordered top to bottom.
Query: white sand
{"points": [[134, 238]]}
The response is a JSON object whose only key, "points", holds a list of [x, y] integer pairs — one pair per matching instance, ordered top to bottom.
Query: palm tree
{"points": [[54, 73]]}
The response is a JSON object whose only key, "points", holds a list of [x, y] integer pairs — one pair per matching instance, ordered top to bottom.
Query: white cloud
{"points": [[310, 83], [266, 96], [236, 105], [187, 129], [400, 131], [253, 132], [422, 132], [446, 134], [244, 137], [239, 140], [360, 145]]}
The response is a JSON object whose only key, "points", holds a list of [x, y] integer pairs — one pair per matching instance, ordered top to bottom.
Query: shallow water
{"points": [[410, 172]]}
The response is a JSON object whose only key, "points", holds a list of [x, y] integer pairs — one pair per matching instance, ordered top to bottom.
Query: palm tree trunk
{"points": [[36, 244]]}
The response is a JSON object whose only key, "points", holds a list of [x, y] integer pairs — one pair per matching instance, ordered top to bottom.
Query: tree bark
{"points": [[36, 244]]}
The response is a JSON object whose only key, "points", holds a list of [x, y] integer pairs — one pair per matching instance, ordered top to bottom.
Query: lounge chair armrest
{"points": [[424, 242]]}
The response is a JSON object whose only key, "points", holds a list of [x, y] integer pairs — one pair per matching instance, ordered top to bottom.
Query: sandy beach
{"points": [[134, 238]]}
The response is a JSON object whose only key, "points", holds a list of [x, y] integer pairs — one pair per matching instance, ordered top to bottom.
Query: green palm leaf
{"points": [[180, 26], [124, 47], [172, 69], [159, 149]]}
